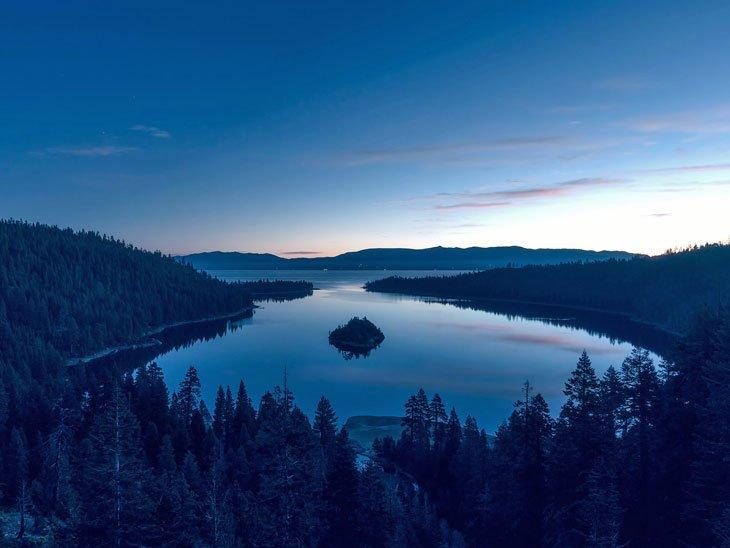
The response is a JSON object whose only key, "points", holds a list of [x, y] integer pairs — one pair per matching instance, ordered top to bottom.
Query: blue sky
{"points": [[323, 127]]}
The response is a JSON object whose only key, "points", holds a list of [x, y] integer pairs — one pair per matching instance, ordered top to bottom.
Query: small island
{"points": [[357, 338]]}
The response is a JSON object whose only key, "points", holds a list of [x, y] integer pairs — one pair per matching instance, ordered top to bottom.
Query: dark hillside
{"points": [[665, 290], [66, 293]]}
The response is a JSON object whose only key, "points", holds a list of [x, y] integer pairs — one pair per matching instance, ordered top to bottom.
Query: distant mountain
{"points": [[434, 258]]}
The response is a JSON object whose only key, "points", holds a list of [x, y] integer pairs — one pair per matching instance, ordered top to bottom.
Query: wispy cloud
{"points": [[624, 83], [577, 108], [703, 121], [151, 130], [85, 151], [449, 151], [492, 152], [701, 168], [689, 187], [537, 192], [484, 199], [472, 205], [660, 214], [472, 225], [301, 253]]}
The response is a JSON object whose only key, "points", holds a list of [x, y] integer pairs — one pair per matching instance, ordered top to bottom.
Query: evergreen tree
{"points": [[611, 393], [189, 394], [219, 413], [639, 413], [244, 419], [437, 422], [325, 427], [416, 435], [581, 437], [285, 455], [16, 464], [341, 495], [114, 498], [176, 507], [375, 516]]}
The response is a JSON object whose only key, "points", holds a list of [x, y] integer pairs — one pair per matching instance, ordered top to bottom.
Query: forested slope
{"points": [[666, 290], [66, 293]]}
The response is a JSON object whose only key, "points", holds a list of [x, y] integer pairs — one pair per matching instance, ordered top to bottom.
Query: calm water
{"points": [[476, 359]]}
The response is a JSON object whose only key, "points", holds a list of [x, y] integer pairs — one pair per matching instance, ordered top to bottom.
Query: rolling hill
{"points": [[434, 258]]}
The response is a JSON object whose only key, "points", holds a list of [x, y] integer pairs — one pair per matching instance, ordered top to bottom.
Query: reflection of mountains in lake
{"points": [[615, 327]]}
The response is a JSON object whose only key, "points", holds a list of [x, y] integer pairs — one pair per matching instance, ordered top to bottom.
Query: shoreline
{"points": [[624, 315], [147, 339]]}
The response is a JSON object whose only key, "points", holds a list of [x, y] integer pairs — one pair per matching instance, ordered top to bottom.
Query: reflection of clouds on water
{"points": [[568, 341], [481, 380]]}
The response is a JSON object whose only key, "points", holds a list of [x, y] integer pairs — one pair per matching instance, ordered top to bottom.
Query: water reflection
{"points": [[615, 327], [476, 355]]}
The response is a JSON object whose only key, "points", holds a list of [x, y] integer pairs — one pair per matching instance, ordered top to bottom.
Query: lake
{"points": [[476, 357]]}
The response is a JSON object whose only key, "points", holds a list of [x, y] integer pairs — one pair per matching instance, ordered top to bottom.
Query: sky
{"points": [[313, 128]]}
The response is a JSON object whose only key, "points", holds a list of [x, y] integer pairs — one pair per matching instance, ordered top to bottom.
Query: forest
{"points": [[666, 290], [67, 294], [98, 454], [636, 456]]}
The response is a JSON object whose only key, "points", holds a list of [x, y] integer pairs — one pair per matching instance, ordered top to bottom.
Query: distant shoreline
{"points": [[625, 315], [147, 339]]}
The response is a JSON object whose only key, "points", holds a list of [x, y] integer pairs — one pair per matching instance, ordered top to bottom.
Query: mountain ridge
{"points": [[441, 258]]}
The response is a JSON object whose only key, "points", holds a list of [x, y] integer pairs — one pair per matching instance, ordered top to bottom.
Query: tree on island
{"points": [[356, 338]]}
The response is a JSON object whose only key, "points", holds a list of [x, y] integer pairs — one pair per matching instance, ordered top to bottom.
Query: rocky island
{"points": [[356, 338]]}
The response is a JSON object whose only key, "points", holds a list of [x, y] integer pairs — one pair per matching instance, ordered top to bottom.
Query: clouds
{"points": [[624, 83], [715, 120], [151, 130], [86, 151], [101, 151], [448, 152], [701, 168], [483, 199], [471, 205], [301, 252]]}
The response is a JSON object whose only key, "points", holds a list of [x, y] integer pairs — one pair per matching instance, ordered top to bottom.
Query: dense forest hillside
{"points": [[434, 258], [666, 290], [66, 293]]}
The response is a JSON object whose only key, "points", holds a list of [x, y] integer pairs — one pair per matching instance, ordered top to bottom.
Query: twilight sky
{"points": [[318, 127]]}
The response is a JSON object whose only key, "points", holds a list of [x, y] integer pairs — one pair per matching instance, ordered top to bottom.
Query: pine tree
{"points": [[611, 392], [189, 394], [219, 413], [639, 413], [244, 418], [437, 422], [416, 425], [325, 427], [453, 433], [581, 436], [285, 453], [16, 463], [57, 468], [340, 495], [116, 506], [176, 508], [217, 508], [599, 511], [375, 519]]}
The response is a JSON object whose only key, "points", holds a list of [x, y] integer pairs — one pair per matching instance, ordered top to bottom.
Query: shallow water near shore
{"points": [[476, 356]]}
